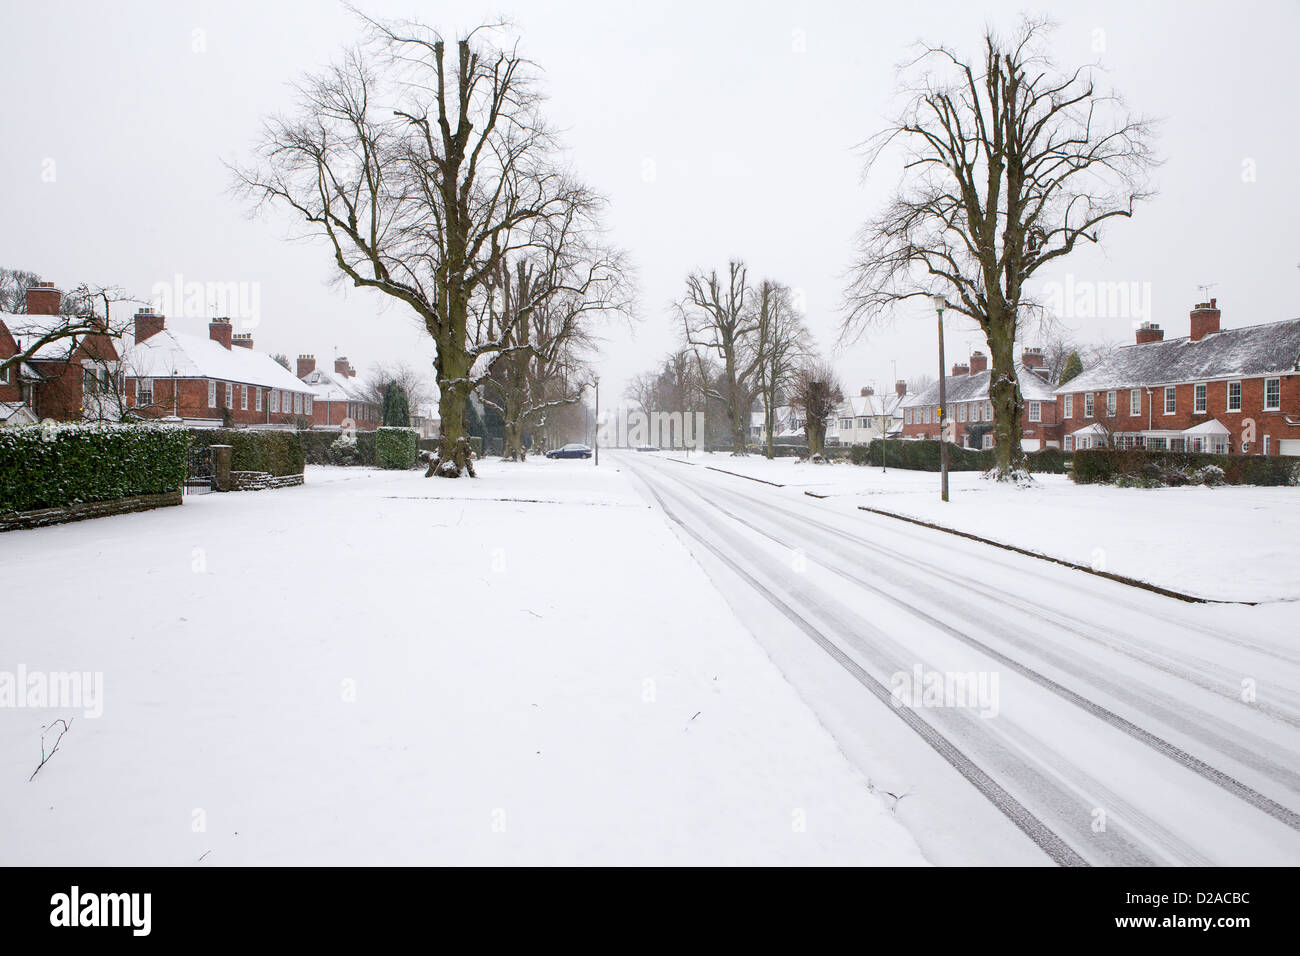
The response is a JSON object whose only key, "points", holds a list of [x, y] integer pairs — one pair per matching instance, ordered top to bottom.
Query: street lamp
{"points": [[940, 303], [596, 433]]}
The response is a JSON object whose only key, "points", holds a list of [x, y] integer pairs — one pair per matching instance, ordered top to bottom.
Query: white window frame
{"points": [[4, 375], [143, 386], [258, 392], [1171, 392], [212, 393], [230, 395], [1227, 397], [243, 398], [1200, 398], [275, 401], [1088, 401], [1134, 402], [297, 403], [1112, 403], [306, 404], [1069, 406], [1267, 406], [988, 411], [1035, 411], [961, 412], [988, 440], [1069, 443], [1266, 444]]}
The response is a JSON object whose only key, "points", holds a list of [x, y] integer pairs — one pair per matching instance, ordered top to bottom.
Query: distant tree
{"points": [[782, 342], [281, 359], [1073, 368], [919, 383], [816, 394], [396, 410]]}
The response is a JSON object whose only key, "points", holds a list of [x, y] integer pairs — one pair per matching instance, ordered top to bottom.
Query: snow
{"points": [[169, 353], [1178, 538], [527, 667]]}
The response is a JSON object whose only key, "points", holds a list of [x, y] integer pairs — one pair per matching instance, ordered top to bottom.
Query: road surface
{"points": [[1098, 724]]}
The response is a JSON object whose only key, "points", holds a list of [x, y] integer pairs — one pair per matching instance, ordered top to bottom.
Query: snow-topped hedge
{"points": [[396, 447], [275, 452], [47, 466]]}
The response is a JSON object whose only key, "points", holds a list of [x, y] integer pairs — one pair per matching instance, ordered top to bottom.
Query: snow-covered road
{"points": [[1097, 723]]}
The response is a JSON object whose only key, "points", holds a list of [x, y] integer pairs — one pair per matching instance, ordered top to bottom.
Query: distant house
{"points": [[66, 379], [204, 381], [1214, 390], [339, 395], [971, 412], [864, 417], [426, 421]]}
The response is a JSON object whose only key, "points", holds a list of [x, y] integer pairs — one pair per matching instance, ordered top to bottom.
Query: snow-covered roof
{"points": [[26, 327], [1232, 353], [191, 356], [335, 387], [975, 388], [16, 413], [1212, 427], [1093, 429]]}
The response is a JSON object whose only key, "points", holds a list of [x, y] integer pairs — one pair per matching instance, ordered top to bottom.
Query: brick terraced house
{"points": [[199, 380], [1214, 390], [339, 395], [971, 413]]}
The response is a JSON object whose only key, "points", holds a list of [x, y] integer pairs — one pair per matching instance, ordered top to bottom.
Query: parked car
{"points": [[571, 450]]}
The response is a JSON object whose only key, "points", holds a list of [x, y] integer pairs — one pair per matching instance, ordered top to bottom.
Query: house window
{"points": [[4, 375], [90, 381], [143, 392], [258, 393], [212, 394], [230, 395], [1200, 395], [1234, 396], [243, 397], [1171, 399], [1272, 399], [275, 400], [1135, 401], [297, 403], [306, 404], [1087, 404], [1110, 404], [1069, 406], [988, 411], [1036, 411], [961, 412], [907, 416], [862, 422], [988, 440], [1069, 443], [1266, 444]]}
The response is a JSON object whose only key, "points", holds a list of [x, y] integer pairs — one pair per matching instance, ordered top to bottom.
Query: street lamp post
{"points": [[940, 303], [596, 434]]}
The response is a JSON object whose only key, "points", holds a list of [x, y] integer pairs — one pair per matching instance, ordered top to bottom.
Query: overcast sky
{"points": [[747, 115]]}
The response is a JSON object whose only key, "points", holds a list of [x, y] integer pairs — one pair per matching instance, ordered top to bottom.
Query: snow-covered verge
{"points": [[1231, 543], [379, 668]]}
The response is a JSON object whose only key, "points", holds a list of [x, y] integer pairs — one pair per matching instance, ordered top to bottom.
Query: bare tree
{"points": [[1011, 164], [424, 173], [84, 314], [717, 318], [783, 343], [414, 383], [816, 394]]}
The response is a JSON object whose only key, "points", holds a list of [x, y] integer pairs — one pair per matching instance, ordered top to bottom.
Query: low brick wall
{"points": [[260, 480], [91, 509]]}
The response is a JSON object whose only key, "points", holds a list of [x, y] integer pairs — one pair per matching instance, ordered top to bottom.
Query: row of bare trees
{"points": [[432, 176]]}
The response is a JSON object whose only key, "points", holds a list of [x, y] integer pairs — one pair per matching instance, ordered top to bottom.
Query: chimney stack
{"points": [[43, 299], [1205, 319], [148, 323], [220, 331], [1149, 332], [243, 339], [1032, 358], [979, 362], [306, 365], [341, 366], [960, 368], [900, 388], [867, 391]]}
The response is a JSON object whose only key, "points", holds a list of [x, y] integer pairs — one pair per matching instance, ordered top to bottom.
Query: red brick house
{"points": [[65, 379], [201, 379], [1214, 390], [339, 395], [970, 411]]}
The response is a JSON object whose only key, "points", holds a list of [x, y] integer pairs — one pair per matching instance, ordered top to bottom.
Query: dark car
{"points": [[572, 450]]}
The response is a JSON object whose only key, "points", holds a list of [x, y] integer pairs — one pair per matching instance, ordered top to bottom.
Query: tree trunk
{"points": [[769, 428], [514, 431], [739, 431], [816, 439], [1009, 462]]}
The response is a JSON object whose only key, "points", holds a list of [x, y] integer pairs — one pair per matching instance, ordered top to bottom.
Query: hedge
{"points": [[396, 447], [338, 448], [277, 453], [923, 455], [49, 466], [1138, 467]]}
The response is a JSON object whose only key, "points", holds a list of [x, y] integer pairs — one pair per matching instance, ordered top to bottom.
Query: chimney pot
{"points": [[43, 299], [1205, 320], [147, 324], [220, 331], [1149, 332], [243, 339], [306, 365], [960, 368], [900, 388], [867, 391]]}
